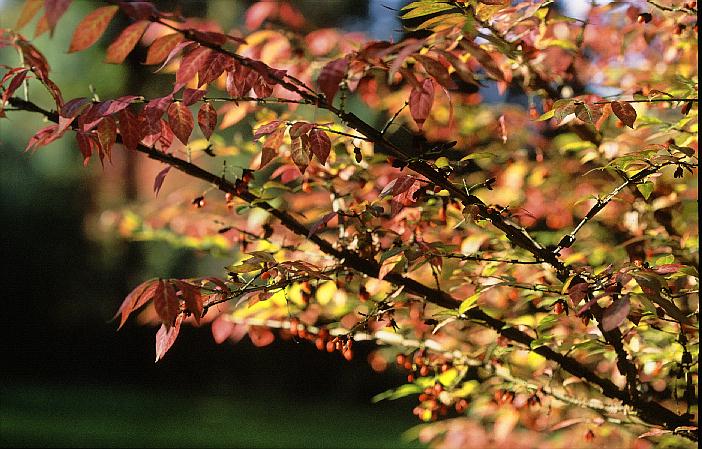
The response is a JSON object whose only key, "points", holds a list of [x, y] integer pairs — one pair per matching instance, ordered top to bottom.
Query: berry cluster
{"points": [[323, 341]]}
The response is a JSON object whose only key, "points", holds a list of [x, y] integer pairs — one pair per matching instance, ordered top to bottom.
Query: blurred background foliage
{"points": [[68, 378]]}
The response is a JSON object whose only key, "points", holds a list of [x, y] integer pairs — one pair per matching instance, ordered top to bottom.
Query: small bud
{"points": [[644, 17]]}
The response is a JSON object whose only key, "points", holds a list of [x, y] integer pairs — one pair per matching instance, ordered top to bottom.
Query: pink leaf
{"points": [[420, 101], [166, 336]]}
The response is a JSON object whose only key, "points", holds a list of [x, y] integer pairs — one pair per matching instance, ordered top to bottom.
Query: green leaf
{"points": [[420, 9], [546, 115], [479, 155], [442, 162], [646, 189], [665, 260], [243, 268], [468, 303], [546, 322], [541, 341], [401, 392]]}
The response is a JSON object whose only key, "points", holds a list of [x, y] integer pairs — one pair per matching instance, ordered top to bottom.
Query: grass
{"points": [[91, 416]]}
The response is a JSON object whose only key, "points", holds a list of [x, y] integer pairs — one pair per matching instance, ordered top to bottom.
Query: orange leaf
{"points": [[29, 10], [91, 28], [125, 42], [161, 48]]}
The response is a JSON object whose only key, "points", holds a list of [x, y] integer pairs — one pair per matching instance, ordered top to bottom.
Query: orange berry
{"points": [[400, 359]]}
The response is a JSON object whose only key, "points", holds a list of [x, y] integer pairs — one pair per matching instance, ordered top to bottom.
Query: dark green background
{"points": [[69, 379]]}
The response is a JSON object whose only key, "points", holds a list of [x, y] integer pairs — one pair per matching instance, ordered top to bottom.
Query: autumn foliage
{"points": [[530, 264]]}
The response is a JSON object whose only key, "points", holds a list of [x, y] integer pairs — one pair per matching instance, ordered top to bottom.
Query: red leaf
{"points": [[54, 9], [139, 10], [258, 12], [290, 15], [91, 28], [212, 37], [125, 42], [162, 47], [180, 47], [484, 58], [34, 59], [190, 65], [213, 67], [437, 70], [331, 75], [240, 80], [16, 82], [261, 88], [192, 96], [420, 102], [75, 107], [155, 108], [99, 110], [625, 112], [588, 113], [207, 119], [181, 120], [151, 128], [300, 128], [129, 129], [266, 129], [107, 136], [43, 137], [165, 139], [320, 144], [85, 145], [270, 147], [300, 152], [160, 177], [321, 223], [668, 268], [192, 297], [137, 298], [166, 303], [615, 314], [166, 336], [261, 336]]}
